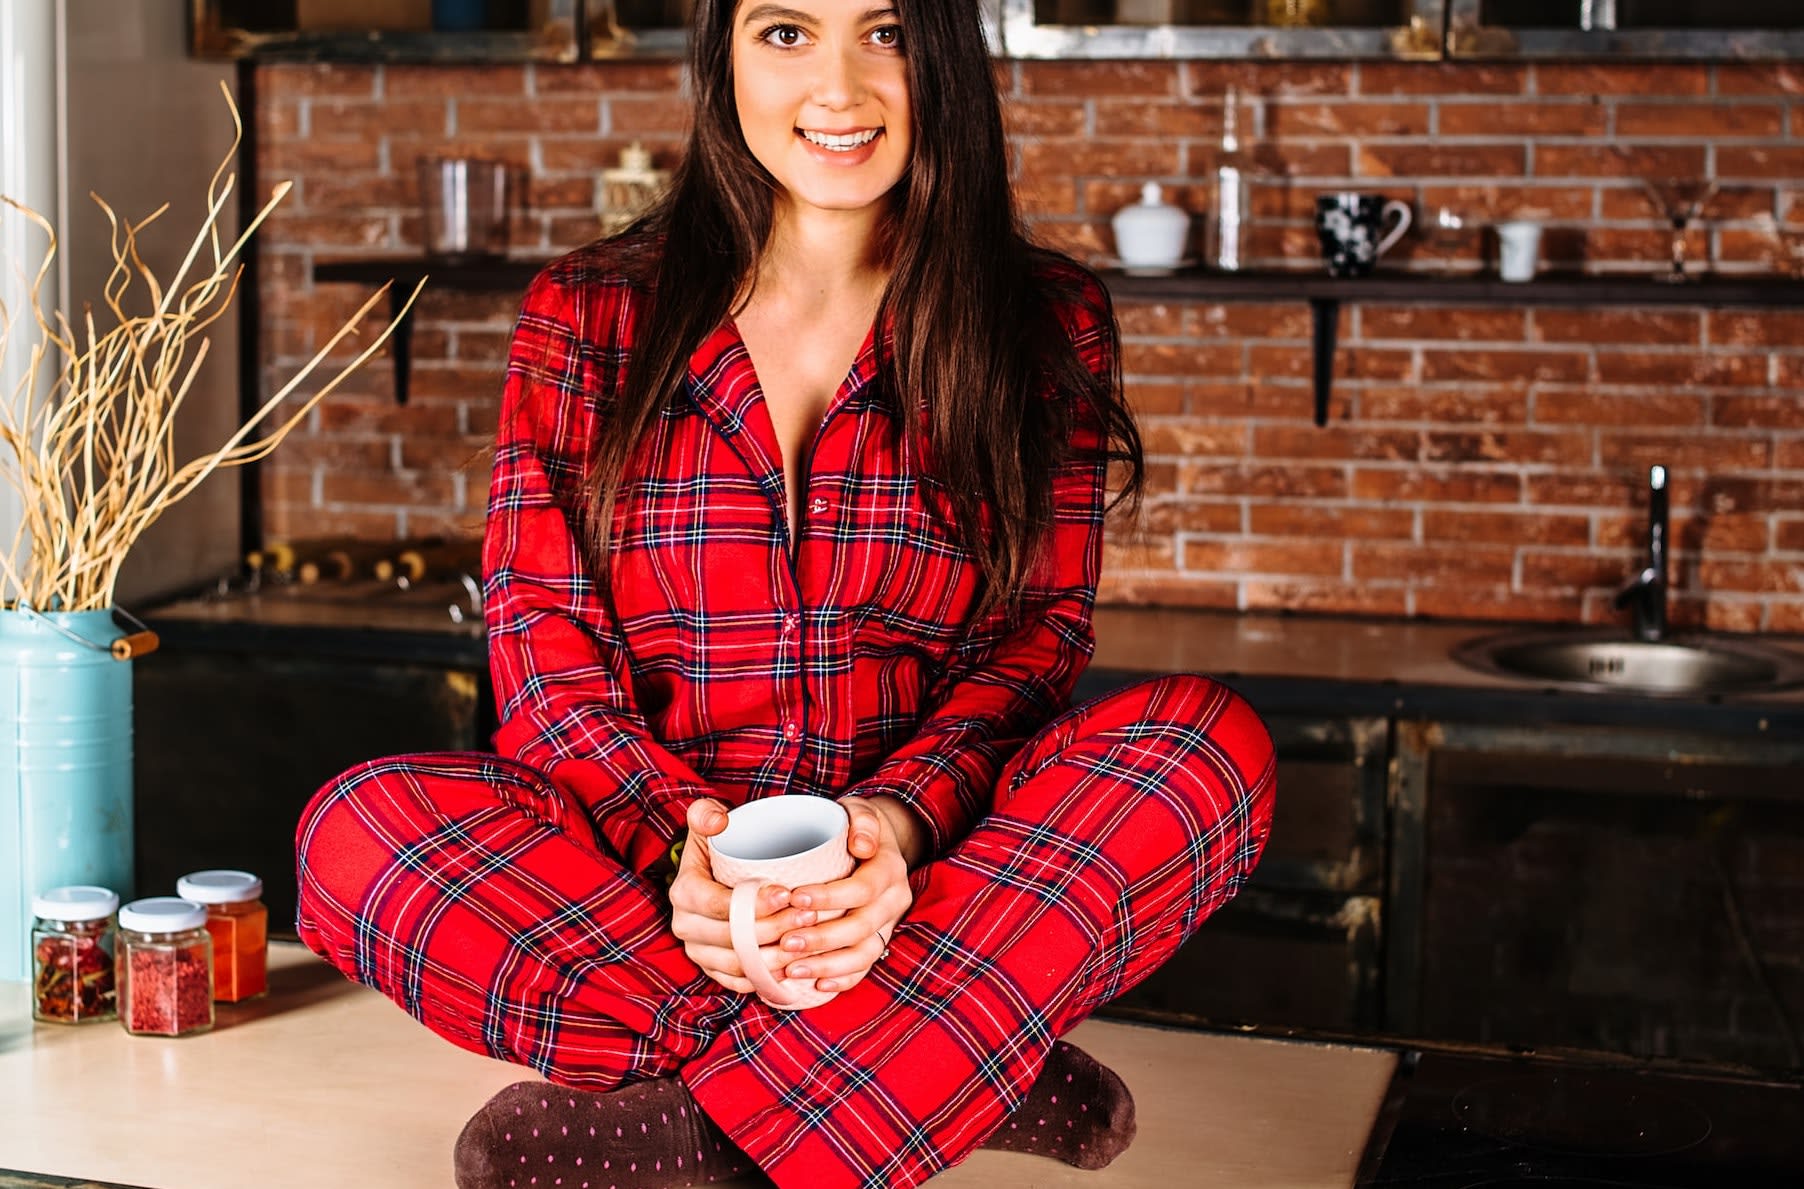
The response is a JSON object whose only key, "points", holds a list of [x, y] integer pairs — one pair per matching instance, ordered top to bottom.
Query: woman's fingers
{"points": [[707, 817], [702, 930], [841, 968]]}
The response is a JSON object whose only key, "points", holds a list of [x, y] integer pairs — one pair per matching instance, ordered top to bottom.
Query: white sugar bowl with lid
{"points": [[1151, 234]]}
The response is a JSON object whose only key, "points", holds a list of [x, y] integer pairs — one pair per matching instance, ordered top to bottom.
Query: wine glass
{"points": [[1681, 200]]}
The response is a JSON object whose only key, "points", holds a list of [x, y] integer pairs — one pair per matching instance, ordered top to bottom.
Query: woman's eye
{"points": [[787, 36], [888, 36]]}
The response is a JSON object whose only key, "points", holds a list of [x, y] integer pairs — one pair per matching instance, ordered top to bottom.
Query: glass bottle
{"points": [[1227, 226], [239, 925], [72, 950], [165, 968]]}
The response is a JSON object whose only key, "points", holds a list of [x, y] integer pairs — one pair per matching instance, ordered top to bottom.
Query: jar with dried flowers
{"points": [[88, 441]]}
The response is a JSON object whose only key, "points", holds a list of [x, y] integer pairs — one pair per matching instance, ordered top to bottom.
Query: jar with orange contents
{"points": [[239, 925]]}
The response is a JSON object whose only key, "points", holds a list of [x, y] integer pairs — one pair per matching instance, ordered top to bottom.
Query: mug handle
{"points": [[1400, 209], [742, 916]]}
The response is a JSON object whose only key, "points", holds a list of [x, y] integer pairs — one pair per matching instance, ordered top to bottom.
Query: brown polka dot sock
{"points": [[1077, 1111], [648, 1135]]}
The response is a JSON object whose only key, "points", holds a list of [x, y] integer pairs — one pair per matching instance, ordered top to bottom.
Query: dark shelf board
{"points": [[492, 274], [1551, 289]]}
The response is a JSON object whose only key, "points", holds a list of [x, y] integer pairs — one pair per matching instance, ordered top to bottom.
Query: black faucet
{"points": [[1646, 591]]}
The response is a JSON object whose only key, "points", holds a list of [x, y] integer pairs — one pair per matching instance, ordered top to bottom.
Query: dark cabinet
{"points": [[1637, 892], [1302, 943]]}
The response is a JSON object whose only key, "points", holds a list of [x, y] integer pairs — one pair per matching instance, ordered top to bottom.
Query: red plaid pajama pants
{"points": [[474, 893]]}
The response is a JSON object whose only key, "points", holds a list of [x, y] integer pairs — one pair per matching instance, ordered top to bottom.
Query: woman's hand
{"points": [[698, 905], [837, 954]]}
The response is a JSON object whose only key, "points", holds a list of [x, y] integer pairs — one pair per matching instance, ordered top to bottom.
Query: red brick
{"points": [[606, 78], [1440, 78], [1759, 78], [1210, 79], [1637, 79], [281, 80], [1066, 80], [455, 82], [669, 115], [514, 117], [1130, 118], [1341, 118], [1540, 118], [374, 119], [1043, 119], [1709, 121], [582, 154], [1084, 157], [299, 158], [1297, 160], [1440, 161], [1618, 161], [1782, 163], [328, 192], [549, 193], [1039, 197], [1487, 203], [337, 231], [1085, 239], [1647, 247], [1155, 319], [1253, 320], [1463, 323], [1665, 327], [1767, 328], [1180, 359], [1568, 366], [1670, 368], [456, 382], [1152, 397], [1237, 399], [1487, 404], [1587, 406], [1757, 412], [378, 413], [1192, 438], [1274, 441], [1516, 446], [1721, 452], [342, 453], [466, 454], [1788, 454], [1287, 481], [1461, 485], [1616, 490], [1724, 494], [1192, 516], [288, 520], [1314, 520], [1505, 528], [1708, 534], [1788, 536], [1140, 553], [1239, 557], [1432, 565], [1571, 570], [1763, 577], [1133, 590], [1325, 598], [1500, 604], [1727, 614], [1785, 616]]}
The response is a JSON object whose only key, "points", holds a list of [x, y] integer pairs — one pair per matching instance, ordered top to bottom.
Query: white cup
{"points": [[1518, 249], [789, 840]]}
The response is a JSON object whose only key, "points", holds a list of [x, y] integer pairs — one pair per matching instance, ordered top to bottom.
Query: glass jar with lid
{"points": [[239, 925], [72, 950], [165, 967]]}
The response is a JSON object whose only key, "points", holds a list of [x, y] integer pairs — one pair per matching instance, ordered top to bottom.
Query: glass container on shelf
{"points": [[629, 189], [1225, 239], [239, 925], [72, 950], [165, 967]]}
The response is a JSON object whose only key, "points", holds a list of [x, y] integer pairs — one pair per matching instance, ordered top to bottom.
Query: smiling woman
{"points": [[799, 489]]}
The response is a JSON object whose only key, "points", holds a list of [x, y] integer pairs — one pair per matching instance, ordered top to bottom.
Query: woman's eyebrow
{"points": [[776, 12]]}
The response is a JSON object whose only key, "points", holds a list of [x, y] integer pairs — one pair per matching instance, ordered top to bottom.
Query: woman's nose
{"points": [[840, 83]]}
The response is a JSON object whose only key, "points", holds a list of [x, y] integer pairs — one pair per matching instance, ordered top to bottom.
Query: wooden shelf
{"points": [[1323, 293]]}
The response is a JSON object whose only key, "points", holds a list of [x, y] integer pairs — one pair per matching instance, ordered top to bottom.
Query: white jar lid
{"points": [[219, 887], [77, 902], [162, 914]]}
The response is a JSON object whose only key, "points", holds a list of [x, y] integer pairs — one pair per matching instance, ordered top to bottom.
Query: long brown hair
{"points": [[977, 342]]}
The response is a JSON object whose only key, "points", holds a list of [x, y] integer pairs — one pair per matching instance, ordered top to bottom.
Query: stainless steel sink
{"points": [[1613, 661]]}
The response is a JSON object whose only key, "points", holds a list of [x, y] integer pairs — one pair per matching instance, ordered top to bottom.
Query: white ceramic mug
{"points": [[1518, 249], [789, 840]]}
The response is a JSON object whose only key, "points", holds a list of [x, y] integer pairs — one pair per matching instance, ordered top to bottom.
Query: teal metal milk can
{"points": [[65, 764]]}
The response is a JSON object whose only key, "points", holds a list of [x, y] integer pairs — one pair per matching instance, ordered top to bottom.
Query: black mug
{"points": [[1351, 227]]}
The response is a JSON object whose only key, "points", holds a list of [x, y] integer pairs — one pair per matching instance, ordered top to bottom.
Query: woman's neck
{"points": [[822, 258]]}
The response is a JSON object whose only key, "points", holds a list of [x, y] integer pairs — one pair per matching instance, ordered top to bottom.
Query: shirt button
{"points": [[818, 506], [791, 623], [791, 731]]}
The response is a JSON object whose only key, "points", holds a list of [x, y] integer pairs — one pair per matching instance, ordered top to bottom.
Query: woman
{"points": [[722, 565]]}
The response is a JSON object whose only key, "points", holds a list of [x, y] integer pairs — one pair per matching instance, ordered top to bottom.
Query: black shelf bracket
{"points": [[1325, 313]]}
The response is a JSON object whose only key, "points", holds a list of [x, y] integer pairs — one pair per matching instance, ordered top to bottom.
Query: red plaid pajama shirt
{"points": [[513, 902]]}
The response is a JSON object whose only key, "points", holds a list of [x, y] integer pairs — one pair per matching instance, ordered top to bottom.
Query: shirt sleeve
{"points": [[562, 677], [1005, 683]]}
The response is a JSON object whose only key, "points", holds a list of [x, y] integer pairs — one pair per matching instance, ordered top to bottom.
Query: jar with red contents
{"points": [[240, 927], [72, 955], [165, 968]]}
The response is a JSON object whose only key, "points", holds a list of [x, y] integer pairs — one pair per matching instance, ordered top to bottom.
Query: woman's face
{"points": [[822, 92]]}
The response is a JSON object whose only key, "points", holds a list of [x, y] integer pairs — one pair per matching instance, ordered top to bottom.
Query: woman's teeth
{"points": [[840, 144]]}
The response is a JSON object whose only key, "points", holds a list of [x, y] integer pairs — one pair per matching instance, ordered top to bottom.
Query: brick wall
{"points": [[1480, 462]]}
